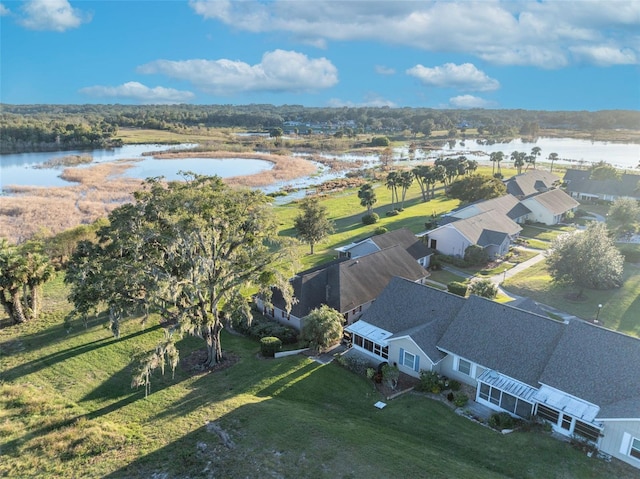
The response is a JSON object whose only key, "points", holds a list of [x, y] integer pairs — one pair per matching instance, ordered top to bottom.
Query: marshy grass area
{"points": [[67, 408]]}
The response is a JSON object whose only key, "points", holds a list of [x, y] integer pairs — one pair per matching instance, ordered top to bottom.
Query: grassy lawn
{"points": [[345, 210], [620, 307], [67, 406]]}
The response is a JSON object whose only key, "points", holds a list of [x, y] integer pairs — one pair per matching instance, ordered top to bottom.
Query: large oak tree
{"points": [[186, 250], [586, 259]]}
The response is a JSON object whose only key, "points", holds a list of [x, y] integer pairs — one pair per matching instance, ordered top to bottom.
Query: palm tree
{"points": [[535, 152], [496, 157], [553, 157], [518, 160], [420, 173], [439, 175], [406, 180], [392, 182], [367, 197]]}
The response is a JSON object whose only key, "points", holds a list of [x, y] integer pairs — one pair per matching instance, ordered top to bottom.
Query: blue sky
{"points": [[547, 55]]}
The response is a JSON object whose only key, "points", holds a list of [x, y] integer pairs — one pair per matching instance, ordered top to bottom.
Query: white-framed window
{"points": [[409, 360], [464, 366], [635, 448]]}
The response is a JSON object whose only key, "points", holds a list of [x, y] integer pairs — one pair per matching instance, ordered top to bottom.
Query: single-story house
{"points": [[531, 182], [580, 186], [507, 205], [549, 207], [491, 230], [402, 237], [348, 285], [581, 378]]}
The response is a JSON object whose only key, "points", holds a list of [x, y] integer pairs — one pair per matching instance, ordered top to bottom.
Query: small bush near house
{"points": [[392, 213], [370, 219], [380, 230], [476, 255], [458, 288], [261, 327], [269, 346], [355, 364], [430, 382], [454, 385], [450, 397], [460, 399], [501, 420]]}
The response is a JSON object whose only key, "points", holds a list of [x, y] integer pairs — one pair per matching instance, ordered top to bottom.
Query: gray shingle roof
{"points": [[531, 182], [578, 182], [556, 201], [507, 205], [489, 221], [405, 238], [347, 283], [406, 308], [514, 342], [598, 365]]}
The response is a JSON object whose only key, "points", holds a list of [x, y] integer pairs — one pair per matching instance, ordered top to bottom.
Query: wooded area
{"points": [[64, 127]]}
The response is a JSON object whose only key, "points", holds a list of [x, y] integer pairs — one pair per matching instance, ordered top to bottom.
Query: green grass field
{"points": [[67, 410]]}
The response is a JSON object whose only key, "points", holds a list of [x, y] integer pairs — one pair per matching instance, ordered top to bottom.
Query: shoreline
{"points": [[99, 189]]}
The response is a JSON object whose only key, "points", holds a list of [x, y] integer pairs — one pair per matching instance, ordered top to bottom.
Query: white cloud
{"points": [[4, 10], [54, 15], [507, 32], [605, 56], [382, 70], [278, 71], [450, 75], [139, 92], [370, 100], [468, 101]]}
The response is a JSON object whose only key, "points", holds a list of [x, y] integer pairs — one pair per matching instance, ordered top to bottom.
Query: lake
{"points": [[569, 150], [19, 169], [22, 169]]}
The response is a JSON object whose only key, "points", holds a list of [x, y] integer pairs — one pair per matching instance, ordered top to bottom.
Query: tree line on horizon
{"points": [[25, 128]]}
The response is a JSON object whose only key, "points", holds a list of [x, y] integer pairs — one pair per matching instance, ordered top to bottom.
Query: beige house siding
{"points": [[449, 241], [407, 344], [449, 367], [614, 433]]}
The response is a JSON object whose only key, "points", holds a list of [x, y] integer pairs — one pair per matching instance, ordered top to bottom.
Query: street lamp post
{"points": [[598, 312]]}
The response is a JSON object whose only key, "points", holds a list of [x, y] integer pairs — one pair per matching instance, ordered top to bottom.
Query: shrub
{"points": [[380, 141], [392, 213], [370, 219], [380, 230], [476, 255], [458, 288], [484, 288], [261, 328], [269, 345], [355, 364], [390, 375], [430, 382], [454, 385], [450, 397], [460, 399], [501, 420]]}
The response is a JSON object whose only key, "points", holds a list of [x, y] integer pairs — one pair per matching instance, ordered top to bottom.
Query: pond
{"points": [[25, 169]]}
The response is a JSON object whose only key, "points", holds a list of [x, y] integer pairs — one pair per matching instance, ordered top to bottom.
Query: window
{"points": [[357, 340], [375, 348], [409, 360], [464, 367], [484, 391], [494, 397], [508, 402], [523, 409], [547, 413], [566, 422], [587, 431], [635, 448]]}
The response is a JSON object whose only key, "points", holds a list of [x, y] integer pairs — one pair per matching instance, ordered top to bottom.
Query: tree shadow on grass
{"points": [[59, 356]]}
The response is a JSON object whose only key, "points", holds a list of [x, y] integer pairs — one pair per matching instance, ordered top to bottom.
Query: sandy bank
{"points": [[101, 188]]}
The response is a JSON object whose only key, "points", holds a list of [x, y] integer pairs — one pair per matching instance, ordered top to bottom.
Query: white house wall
{"points": [[539, 213], [449, 241], [280, 316], [614, 439]]}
